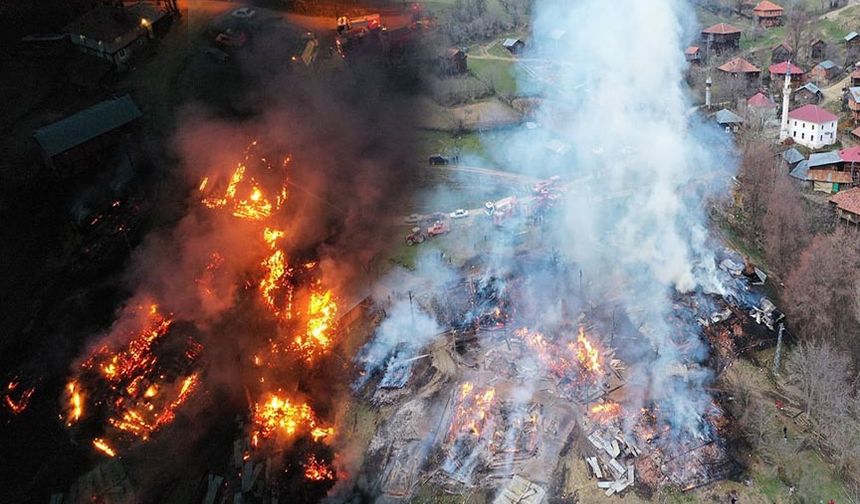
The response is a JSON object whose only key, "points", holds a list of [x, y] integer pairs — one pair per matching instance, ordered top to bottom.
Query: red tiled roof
{"points": [[767, 6], [721, 29], [692, 50], [738, 65], [781, 68], [759, 100], [812, 114], [856, 132], [851, 155], [848, 200]]}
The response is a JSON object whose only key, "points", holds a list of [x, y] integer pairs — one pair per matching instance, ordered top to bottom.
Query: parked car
{"points": [[244, 13], [438, 160], [489, 208], [459, 213], [438, 228]]}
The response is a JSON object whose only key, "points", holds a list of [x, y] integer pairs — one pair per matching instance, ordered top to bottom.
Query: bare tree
{"points": [[796, 21], [757, 173], [785, 224], [820, 289], [822, 374]]}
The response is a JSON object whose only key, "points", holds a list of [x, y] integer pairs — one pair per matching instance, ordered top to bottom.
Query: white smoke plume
{"points": [[640, 167]]}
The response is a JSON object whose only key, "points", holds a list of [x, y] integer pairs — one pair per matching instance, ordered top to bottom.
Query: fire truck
{"points": [[358, 33]]}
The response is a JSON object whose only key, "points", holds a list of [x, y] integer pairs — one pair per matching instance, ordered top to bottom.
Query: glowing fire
{"points": [[244, 195], [317, 337], [587, 354], [140, 396], [17, 403], [75, 403], [472, 411], [605, 412], [277, 414], [102, 446], [316, 470]]}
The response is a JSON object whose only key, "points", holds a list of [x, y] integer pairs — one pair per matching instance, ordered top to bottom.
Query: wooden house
{"points": [[768, 14], [722, 37], [817, 49], [780, 53], [693, 54], [739, 67], [778, 71], [825, 72], [807, 93], [853, 96], [847, 205]]}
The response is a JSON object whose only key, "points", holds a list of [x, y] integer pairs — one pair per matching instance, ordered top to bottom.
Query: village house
{"points": [[768, 14], [114, 34], [722, 37], [514, 45], [852, 47], [817, 49], [780, 53], [693, 54], [453, 62], [740, 67], [778, 71], [825, 72], [855, 78], [807, 93], [853, 95], [761, 107], [728, 120], [812, 126], [855, 134], [81, 141], [851, 161], [826, 174], [847, 204]]}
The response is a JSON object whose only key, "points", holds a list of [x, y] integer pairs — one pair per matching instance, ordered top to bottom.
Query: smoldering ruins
{"points": [[268, 349]]}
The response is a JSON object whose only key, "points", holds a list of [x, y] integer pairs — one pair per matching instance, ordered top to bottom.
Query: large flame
{"points": [[321, 312], [587, 354], [472, 412], [277, 414]]}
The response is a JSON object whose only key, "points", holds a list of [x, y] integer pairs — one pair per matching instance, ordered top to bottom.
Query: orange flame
{"points": [[317, 338], [587, 354], [76, 403], [17, 405], [472, 411], [606, 411], [277, 414], [102, 446], [316, 470]]}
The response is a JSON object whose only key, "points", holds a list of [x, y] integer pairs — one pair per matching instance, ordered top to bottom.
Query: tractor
{"points": [[415, 237]]}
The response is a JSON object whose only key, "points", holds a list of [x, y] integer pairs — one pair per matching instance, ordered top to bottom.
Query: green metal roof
{"points": [[87, 124]]}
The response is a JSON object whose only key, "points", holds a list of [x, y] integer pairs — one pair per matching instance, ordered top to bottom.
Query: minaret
{"points": [[708, 83], [786, 94]]}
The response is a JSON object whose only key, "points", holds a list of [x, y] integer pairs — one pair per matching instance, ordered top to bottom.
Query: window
{"points": [[795, 123], [813, 127], [794, 134], [803, 136]]}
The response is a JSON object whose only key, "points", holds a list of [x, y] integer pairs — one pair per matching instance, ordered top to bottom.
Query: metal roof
{"points": [[851, 36], [510, 42], [827, 64], [811, 87], [855, 93], [726, 116], [87, 124], [792, 156], [824, 158], [801, 171]]}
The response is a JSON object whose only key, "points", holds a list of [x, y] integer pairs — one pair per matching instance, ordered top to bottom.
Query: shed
{"points": [[514, 45], [817, 49], [780, 53], [825, 71], [808, 93], [852, 96], [728, 120], [72, 142], [792, 156]]}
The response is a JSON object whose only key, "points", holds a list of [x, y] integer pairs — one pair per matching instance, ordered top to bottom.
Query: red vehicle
{"points": [[438, 228], [415, 237]]}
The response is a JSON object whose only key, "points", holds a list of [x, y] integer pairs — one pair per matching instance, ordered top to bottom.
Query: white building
{"points": [[812, 126]]}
